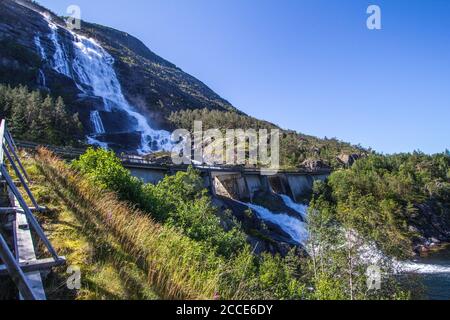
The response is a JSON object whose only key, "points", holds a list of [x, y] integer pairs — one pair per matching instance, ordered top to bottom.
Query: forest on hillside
{"points": [[38, 117], [295, 148]]}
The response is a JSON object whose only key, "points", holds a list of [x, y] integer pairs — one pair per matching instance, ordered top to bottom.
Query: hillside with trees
{"points": [[38, 117], [295, 148], [399, 202]]}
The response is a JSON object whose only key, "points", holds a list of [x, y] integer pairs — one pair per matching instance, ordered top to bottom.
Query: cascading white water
{"points": [[37, 42], [59, 62], [92, 69], [42, 81], [97, 122], [94, 142], [300, 208], [294, 227], [371, 254], [422, 268]]}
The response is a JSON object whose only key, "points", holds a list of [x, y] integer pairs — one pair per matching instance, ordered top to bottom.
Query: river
{"points": [[437, 285]]}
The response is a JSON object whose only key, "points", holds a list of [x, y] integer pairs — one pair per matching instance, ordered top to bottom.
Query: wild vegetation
{"points": [[35, 117], [295, 148], [179, 201], [392, 201], [172, 251]]}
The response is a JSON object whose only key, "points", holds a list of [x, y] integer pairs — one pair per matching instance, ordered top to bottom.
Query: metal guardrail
{"points": [[129, 160], [14, 260]]}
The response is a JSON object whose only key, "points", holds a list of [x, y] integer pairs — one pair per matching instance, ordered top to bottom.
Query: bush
{"points": [[179, 201]]}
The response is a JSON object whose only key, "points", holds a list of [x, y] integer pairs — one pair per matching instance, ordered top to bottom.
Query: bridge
{"points": [[236, 182]]}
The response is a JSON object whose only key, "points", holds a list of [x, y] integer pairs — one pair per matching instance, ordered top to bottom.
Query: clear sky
{"points": [[308, 65]]}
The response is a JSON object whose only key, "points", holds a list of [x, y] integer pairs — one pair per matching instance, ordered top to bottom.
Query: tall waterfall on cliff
{"points": [[37, 42], [60, 61], [93, 72]]}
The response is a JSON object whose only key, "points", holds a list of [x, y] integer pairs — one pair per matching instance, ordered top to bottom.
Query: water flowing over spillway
{"points": [[92, 70], [300, 208]]}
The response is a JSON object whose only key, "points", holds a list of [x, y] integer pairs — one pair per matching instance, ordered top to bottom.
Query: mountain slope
{"points": [[123, 93]]}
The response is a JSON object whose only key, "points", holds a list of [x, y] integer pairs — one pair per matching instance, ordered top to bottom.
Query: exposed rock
{"points": [[153, 86], [348, 159], [313, 164], [431, 226]]}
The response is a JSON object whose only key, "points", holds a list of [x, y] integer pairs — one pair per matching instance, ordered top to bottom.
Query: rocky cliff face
{"points": [[121, 90]]}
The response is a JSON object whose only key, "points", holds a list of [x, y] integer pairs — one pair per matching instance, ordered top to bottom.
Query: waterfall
{"points": [[41, 51], [59, 62], [93, 67], [93, 72], [41, 79], [97, 122], [294, 227], [368, 252]]}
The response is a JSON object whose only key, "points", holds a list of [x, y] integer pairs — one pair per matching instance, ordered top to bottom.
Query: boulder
{"points": [[348, 159], [314, 165]]}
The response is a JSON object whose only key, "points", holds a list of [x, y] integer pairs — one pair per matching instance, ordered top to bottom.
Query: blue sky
{"points": [[308, 65]]}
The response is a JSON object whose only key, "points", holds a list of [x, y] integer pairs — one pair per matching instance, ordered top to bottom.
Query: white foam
{"points": [[41, 50], [59, 61], [92, 67], [97, 122], [95, 142], [300, 208], [295, 228], [371, 254]]}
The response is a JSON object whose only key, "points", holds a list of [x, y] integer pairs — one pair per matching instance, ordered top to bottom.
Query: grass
{"points": [[122, 253], [104, 276]]}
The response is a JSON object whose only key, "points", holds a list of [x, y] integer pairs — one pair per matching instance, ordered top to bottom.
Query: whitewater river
{"points": [[433, 270]]}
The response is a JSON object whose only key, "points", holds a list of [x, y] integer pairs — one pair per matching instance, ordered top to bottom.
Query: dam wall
{"points": [[148, 175], [239, 185]]}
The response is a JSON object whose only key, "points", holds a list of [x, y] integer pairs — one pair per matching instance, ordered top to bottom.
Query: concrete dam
{"points": [[236, 183], [278, 202], [279, 219]]}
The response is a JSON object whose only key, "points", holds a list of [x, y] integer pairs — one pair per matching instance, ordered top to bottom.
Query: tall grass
{"points": [[176, 266]]}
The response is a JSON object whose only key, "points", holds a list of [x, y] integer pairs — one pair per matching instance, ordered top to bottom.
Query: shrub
{"points": [[179, 201]]}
